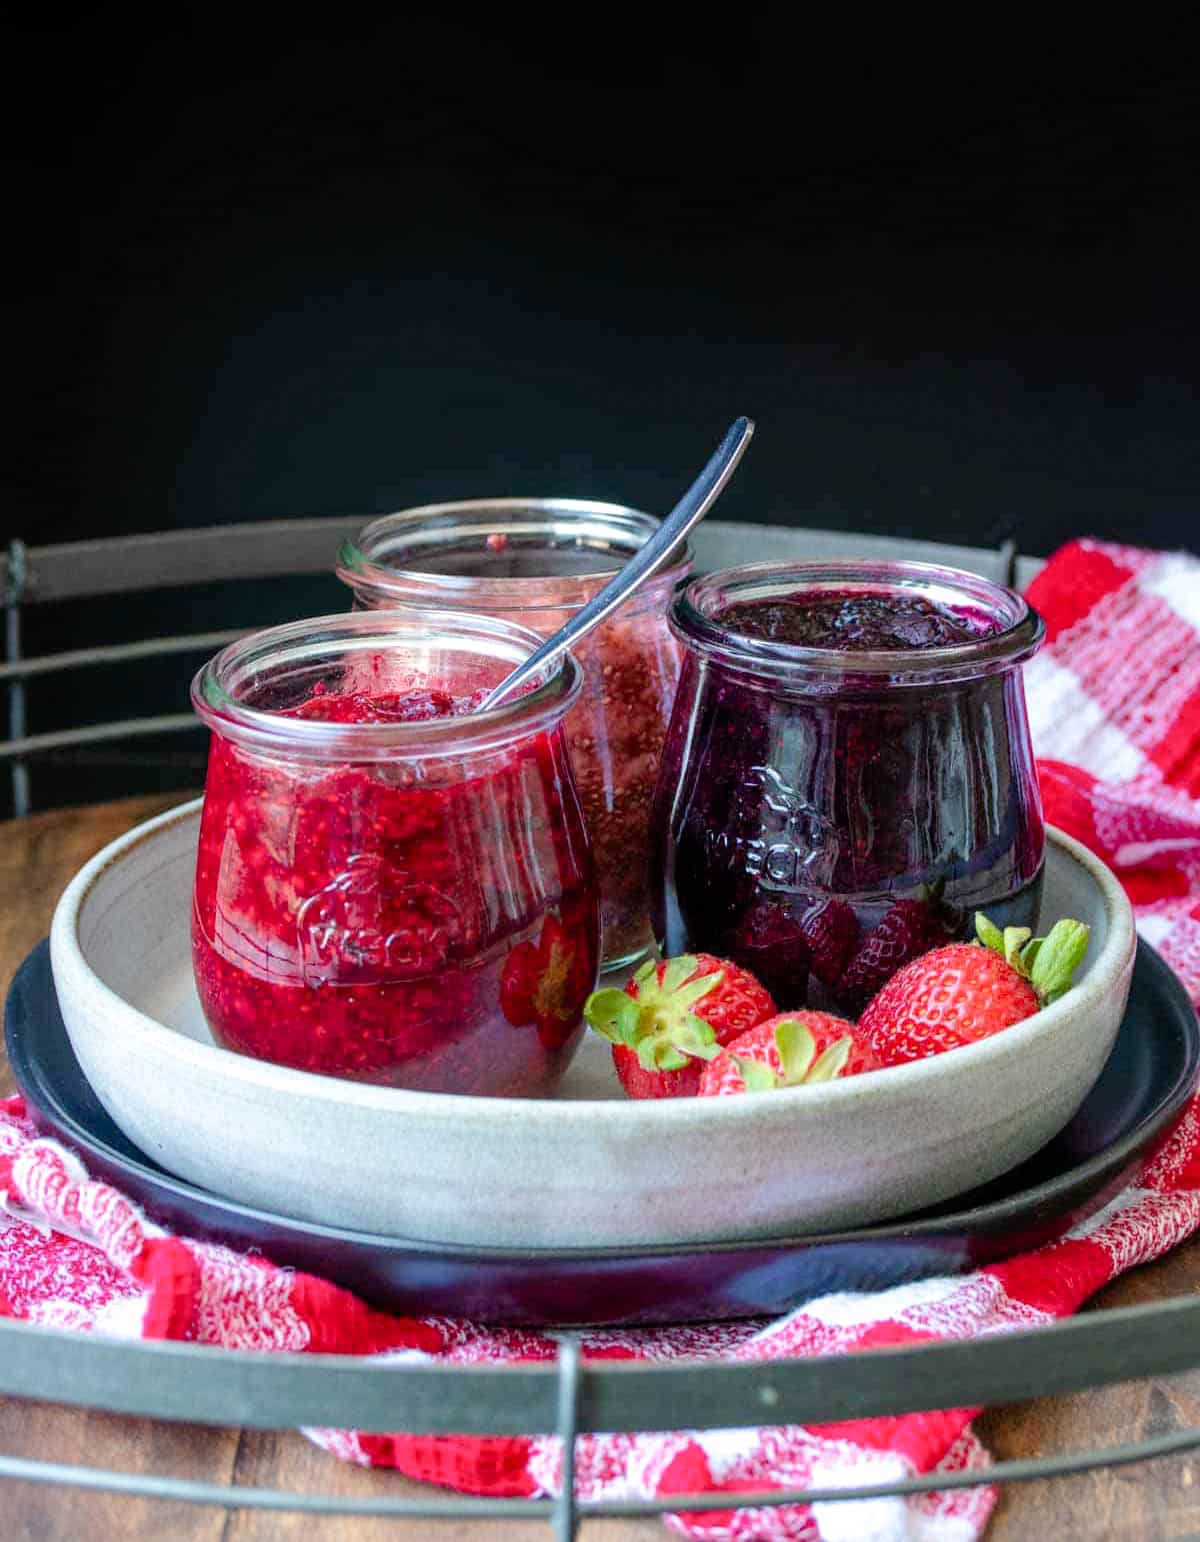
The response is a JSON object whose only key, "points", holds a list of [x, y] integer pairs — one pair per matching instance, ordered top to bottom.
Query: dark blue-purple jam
{"points": [[856, 621], [822, 835]]}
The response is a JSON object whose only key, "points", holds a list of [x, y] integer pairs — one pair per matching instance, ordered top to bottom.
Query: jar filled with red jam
{"points": [[534, 561], [848, 774], [393, 886]]}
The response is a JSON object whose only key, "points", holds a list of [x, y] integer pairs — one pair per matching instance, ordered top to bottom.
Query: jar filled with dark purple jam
{"points": [[847, 776]]}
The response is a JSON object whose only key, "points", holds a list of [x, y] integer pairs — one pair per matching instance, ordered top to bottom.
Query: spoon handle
{"points": [[689, 511]]}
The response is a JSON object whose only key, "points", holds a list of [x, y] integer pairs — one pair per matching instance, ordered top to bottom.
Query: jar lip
{"points": [[613, 531], [1019, 637], [245, 662]]}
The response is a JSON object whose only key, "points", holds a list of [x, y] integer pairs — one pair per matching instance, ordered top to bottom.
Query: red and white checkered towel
{"points": [[1115, 700], [1114, 704]]}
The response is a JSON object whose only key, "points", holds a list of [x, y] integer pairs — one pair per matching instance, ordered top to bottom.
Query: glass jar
{"points": [[534, 561], [824, 813], [385, 892]]}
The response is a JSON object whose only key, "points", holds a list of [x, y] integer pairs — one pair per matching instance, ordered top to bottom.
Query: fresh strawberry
{"points": [[911, 927], [545, 983], [959, 994], [673, 1016], [792, 1049]]}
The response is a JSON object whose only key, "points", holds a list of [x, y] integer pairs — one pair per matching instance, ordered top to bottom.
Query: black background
{"points": [[270, 272]]}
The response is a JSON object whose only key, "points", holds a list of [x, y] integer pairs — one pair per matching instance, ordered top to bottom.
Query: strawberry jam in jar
{"points": [[534, 561], [848, 774], [391, 885]]}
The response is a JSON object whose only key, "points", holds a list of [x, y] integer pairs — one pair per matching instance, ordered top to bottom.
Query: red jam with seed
{"points": [[430, 924]]}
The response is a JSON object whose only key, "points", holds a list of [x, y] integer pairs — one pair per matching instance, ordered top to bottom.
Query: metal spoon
{"points": [[689, 511]]}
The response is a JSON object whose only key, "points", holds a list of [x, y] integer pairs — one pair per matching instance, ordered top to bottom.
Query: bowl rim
{"points": [[1103, 972], [988, 1214]]}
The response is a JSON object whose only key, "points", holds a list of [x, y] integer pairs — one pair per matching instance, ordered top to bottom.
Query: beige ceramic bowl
{"points": [[585, 1168]]}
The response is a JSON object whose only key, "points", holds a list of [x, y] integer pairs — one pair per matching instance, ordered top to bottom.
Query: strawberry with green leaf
{"points": [[968, 991], [672, 1017], [792, 1049]]}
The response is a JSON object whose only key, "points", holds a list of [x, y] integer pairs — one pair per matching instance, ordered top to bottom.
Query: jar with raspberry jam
{"points": [[535, 561], [848, 774], [392, 886]]}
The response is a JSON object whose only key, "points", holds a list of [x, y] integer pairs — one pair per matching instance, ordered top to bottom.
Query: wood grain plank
{"points": [[40, 855], [1151, 1500], [30, 1511]]}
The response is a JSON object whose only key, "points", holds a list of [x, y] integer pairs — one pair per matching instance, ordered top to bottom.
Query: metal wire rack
{"points": [[34, 575], [200, 1385], [570, 1398]]}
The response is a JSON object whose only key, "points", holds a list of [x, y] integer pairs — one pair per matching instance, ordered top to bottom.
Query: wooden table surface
{"points": [[1149, 1503]]}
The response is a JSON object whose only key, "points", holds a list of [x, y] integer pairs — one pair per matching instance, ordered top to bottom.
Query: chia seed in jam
{"points": [[535, 562], [615, 735], [838, 792], [356, 917]]}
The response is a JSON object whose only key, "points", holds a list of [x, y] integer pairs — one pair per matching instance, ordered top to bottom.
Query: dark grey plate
{"points": [[1149, 1075]]}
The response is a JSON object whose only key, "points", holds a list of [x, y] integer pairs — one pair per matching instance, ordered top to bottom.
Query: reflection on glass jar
{"points": [[534, 561], [848, 774], [391, 887]]}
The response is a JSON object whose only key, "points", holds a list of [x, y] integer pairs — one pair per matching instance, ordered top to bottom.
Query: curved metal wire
{"points": [[277, 548], [193, 1382], [207, 1385], [187, 1491]]}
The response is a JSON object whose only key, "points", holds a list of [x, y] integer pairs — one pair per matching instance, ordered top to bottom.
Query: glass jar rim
{"points": [[588, 523], [1019, 636], [245, 661]]}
